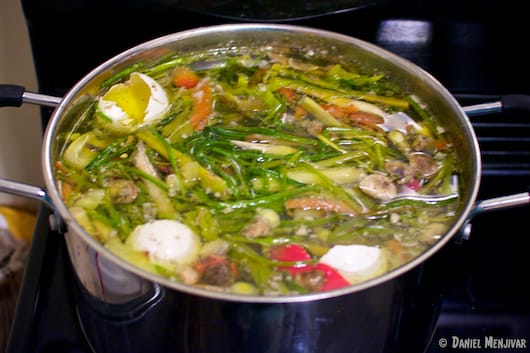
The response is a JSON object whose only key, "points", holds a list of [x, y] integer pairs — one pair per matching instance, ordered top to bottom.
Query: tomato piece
{"points": [[185, 77], [288, 93]]}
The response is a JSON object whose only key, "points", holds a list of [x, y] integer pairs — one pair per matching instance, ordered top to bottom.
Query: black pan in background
{"points": [[273, 10]]}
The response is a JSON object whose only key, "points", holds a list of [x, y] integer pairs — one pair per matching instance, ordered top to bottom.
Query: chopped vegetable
{"points": [[185, 77], [202, 106], [318, 112], [83, 150], [379, 187], [158, 195], [316, 203], [216, 270], [319, 277]]}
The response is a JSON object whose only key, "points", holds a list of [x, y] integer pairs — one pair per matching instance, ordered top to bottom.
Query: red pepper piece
{"points": [[291, 253], [334, 279]]}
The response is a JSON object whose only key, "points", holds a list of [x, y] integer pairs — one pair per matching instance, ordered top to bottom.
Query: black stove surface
{"points": [[473, 47]]}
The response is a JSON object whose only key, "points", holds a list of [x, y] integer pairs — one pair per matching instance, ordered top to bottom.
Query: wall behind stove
{"points": [[20, 128]]}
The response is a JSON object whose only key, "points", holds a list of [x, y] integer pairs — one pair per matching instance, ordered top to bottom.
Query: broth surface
{"points": [[265, 172]]}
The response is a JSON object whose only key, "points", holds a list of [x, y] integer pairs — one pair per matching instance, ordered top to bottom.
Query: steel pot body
{"points": [[225, 38], [398, 315], [374, 316], [371, 318]]}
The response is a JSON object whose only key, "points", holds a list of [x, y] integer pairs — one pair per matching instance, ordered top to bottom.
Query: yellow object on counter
{"points": [[20, 223], [16, 232]]}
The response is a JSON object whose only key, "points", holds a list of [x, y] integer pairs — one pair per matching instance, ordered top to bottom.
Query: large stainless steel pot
{"points": [[374, 316]]}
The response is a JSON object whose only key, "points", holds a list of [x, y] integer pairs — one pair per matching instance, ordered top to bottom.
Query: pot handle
{"points": [[14, 96], [506, 103], [511, 103], [20, 189], [35, 193], [496, 203], [500, 203]]}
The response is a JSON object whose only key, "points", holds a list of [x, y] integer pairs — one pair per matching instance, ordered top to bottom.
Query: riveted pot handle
{"points": [[14, 96]]}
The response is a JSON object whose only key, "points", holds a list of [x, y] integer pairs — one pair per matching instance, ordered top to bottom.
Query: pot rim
{"points": [[75, 229]]}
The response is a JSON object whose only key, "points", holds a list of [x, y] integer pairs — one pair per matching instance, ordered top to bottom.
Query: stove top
{"points": [[475, 54]]}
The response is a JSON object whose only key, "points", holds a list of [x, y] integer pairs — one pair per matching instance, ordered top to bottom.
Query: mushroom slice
{"points": [[423, 164], [401, 170], [379, 187], [122, 191], [261, 224], [311, 279]]}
